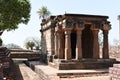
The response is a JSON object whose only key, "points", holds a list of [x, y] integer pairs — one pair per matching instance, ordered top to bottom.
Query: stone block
{"points": [[114, 72]]}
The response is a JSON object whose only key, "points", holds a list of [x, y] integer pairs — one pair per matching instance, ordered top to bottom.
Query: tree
{"points": [[44, 12], [12, 13], [35, 40], [29, 44]]}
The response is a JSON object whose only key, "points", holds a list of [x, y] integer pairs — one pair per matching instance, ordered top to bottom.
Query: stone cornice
{"points": [[86, 15], [45, 21], [76, 21], [72, 23], [48, 25]]}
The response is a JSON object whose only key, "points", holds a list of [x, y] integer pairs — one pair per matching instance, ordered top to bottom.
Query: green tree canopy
{"points": [[13, 12], [44, 12], [35, 40], [29, 44]]}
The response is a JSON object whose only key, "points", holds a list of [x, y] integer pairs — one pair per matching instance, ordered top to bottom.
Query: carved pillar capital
{"points": [[106, 27]]}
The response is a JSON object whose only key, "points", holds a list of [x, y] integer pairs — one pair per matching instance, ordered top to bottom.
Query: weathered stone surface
{"points": [[114, 72]]}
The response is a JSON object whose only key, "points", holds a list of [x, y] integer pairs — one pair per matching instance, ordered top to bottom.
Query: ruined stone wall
{"points": [[114, 49], [114, 72]]}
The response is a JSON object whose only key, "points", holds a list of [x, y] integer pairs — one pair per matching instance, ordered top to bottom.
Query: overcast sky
{"points": [[109, 8]]}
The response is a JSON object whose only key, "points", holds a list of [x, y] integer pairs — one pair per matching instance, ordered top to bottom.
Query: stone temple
{"points": [[70, 41]]}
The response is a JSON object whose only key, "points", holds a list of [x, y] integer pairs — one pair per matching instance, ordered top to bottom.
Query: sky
{"points": [[109, 8]]}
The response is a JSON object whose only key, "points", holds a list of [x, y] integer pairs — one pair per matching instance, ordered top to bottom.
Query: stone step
{"points": [[52, 65], [50, 72], [83, 74]]}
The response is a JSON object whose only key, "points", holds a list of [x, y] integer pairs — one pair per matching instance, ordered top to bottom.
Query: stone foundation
{"points": [[83, 64], [46, 72]]}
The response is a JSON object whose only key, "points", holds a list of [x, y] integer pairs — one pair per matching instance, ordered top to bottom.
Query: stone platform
{"points": [[82, 64], [46, 72]]}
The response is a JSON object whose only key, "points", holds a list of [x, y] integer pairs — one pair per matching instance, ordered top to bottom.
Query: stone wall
{"points": [[46, 41], [21, 53], [24, 55], [114, 72]]}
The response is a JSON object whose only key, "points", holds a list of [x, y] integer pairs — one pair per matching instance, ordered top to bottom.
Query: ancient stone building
{"points": [[71, 41]]}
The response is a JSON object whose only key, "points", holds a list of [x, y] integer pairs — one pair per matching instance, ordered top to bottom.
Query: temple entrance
{"points": [[87, 42], [73, 44]]}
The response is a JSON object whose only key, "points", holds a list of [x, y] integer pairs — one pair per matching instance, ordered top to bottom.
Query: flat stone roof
{"points": [[86, 15]]}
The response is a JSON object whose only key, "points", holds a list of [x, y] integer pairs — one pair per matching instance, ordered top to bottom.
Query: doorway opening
{"points": [[87, 42], [73, 44]]}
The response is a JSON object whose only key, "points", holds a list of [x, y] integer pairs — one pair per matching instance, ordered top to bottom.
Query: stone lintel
{"points": [[93, 27]]}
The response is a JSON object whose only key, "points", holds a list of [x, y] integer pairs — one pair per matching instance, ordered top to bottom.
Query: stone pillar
{"points": [[106, 28], [52, 41], [95, 43], [56, 44], [60, 45], [67, 45], [79, 45], [105, 45]]}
